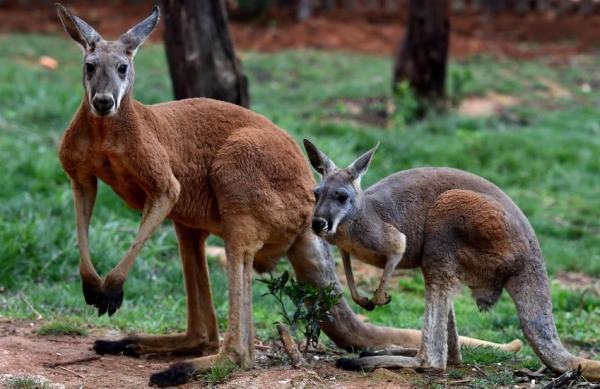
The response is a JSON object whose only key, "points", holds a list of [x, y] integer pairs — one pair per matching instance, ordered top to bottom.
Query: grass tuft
{"points": [[56, 328], [485, 355], [220, 373], [496, 379], [25, 382]]}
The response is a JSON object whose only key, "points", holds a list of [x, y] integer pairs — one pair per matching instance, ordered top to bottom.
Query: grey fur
{"points": [[77, 29], [138, 34], [320, 161]]}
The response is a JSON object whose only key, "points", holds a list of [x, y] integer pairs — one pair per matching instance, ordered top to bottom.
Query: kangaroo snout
{"points": [[103, 104], [319, 224]]}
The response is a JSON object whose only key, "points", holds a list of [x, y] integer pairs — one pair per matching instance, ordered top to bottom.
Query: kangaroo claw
{"points": [[91, 291], [110, 301], [368, 305]]}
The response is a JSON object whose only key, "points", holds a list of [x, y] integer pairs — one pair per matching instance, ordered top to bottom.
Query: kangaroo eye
{"points": [[90, 67], [122, 69], [316, 193], [341, 197]]}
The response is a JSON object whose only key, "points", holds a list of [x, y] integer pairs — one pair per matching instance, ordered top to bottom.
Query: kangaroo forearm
{"points": [[155, 211], [349, 276]]}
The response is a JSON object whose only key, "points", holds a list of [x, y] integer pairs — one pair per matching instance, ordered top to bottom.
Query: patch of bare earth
{"points": [[578, 281], [23, 353]]}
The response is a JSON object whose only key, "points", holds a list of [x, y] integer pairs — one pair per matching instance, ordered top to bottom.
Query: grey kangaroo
{"points": [[458, 228]]}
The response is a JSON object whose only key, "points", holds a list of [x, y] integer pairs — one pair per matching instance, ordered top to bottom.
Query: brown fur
{"points": [[212, 168], [459, 228]]}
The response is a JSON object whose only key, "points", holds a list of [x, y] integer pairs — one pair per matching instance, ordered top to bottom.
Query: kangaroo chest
{"points": [[109, 167], [375, 244], [368, 246], [362, 253]]}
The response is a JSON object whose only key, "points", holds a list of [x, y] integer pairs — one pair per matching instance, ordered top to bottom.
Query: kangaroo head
{"points": [[107, 65], [339, 193]]}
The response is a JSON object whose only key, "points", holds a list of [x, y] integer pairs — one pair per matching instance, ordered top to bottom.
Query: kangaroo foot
{"points": [[139, 345], [125, 346], [403, 351], [374, 362], [182, 372], [177, 374]]}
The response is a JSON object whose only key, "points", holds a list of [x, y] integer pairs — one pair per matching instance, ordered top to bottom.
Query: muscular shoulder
{"points": [[74, 145]]}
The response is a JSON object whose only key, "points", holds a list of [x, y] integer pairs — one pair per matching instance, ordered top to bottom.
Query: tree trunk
{"points": [[200, 53], [423, 57]]}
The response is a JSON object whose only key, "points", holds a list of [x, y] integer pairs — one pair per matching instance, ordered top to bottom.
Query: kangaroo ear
{"points": [[78, 30], [138, 33], [319, 161], [361, 164]]}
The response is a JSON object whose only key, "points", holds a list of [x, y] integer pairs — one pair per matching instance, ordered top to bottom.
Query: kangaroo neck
{"points": [[127, 117]]}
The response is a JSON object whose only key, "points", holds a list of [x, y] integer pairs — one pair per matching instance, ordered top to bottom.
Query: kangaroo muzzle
{"points": [[103, 103], [319, 225]]}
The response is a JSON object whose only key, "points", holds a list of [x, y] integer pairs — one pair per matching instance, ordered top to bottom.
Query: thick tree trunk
{"points": [[200, 53], [423, 57]]}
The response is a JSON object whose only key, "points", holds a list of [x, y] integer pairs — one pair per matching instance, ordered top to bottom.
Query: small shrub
{"points": [[458, 84], [407, 105], [311, 304]]}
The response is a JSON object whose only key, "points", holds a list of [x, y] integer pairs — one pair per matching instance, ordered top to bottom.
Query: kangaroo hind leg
{"points": [[241, 245], [201, 336], [454, 355]]}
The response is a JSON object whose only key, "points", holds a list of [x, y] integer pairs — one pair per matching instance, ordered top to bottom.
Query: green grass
{"points": [[543, 153], [62, 327], [219, 373], [25, 382]]}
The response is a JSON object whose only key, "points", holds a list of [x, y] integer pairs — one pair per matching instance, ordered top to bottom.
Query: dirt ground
{"points": [[511, 35], [23, 353]]}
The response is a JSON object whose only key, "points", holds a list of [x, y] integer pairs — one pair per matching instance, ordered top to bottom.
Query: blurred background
{"points": [[509, 90]]}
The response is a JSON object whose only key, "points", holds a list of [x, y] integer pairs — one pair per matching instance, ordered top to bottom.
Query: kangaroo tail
{"points": [[530, 291]]}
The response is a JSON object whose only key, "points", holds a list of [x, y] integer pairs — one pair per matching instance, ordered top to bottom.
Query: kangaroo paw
{"points": [[92, 292], [381, 299], [110, 300], [368, 305], [177, 374]]}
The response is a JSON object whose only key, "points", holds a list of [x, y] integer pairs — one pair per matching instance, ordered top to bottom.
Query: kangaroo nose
{"points": [[103, 104], [319, 224]]}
